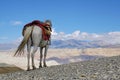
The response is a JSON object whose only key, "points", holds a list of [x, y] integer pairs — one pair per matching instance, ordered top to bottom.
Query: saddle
{"points": [[46, 31]]}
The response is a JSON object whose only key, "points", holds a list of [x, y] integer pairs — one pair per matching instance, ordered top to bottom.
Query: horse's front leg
{"points": [[41, 50], [45, 54], [32, 56]]}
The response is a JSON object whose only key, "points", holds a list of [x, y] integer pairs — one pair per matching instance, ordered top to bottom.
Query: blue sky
{"points": [[91, 16]]}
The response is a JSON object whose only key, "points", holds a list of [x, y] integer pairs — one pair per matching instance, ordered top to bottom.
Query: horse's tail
{"points": [[20, 49]]}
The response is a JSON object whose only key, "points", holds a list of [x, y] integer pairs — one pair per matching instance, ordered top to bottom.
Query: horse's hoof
{"points": [[45, 65], [40, 66], [34, 67], [28, 70]]}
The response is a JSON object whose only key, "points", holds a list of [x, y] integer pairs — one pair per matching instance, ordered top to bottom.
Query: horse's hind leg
{"points": [[28, 54], [32, 56], [41, 56]]}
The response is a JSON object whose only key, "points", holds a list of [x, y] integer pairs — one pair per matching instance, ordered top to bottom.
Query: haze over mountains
{"points": [[76, 39]]}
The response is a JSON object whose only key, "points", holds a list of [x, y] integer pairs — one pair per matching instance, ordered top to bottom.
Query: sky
{"points": [[70, 18]]}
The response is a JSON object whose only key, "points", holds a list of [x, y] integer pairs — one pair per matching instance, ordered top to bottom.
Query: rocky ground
{"points": [[98, 69]]}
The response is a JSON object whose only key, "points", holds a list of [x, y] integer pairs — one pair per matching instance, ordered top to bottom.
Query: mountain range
{"points": [[70, 43]]}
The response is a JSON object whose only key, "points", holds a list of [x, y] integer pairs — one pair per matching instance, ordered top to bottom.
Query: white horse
{"points": [[33, 37]]}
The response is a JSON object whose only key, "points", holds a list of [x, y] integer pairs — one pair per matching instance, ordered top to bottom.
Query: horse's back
{"points": [[37, 30], [36, 35]]}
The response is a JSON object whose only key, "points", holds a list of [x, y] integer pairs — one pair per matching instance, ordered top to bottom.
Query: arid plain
{"points": [[59, 56]]}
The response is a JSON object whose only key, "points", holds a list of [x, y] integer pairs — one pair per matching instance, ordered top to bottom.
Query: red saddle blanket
{"points": [[42, 26]]}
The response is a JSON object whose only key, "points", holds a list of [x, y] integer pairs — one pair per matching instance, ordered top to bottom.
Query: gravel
{"points": [[98, 69]]}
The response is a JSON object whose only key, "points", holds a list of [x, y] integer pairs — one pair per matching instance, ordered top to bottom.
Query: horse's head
{"points": [[49, 24]]}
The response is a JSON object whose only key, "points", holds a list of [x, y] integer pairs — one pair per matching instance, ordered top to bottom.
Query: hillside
{"points": [[6, 68], [98, 69]]}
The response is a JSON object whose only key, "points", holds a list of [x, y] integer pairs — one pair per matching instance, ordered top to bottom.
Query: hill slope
{"points": [[6, 68], [98, 69]]}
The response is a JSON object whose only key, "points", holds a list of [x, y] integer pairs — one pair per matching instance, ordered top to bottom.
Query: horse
{"points": [[33, 38]]}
